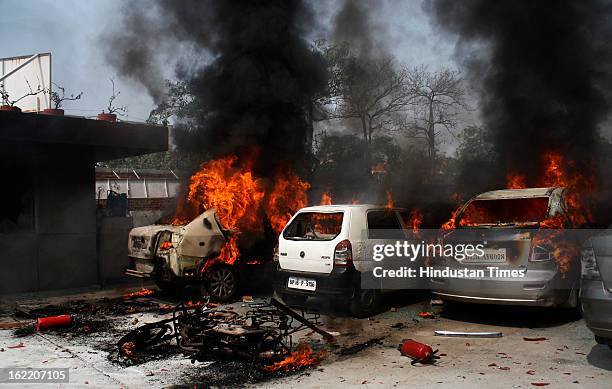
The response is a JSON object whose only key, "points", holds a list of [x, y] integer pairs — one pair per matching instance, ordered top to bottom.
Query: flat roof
{"points": [[106, 140]]}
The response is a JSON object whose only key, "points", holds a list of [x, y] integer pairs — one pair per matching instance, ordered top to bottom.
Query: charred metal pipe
{"points": [[285, 309], [459, 334]]}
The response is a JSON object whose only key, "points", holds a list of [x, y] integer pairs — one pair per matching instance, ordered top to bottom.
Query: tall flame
{"points": [[515, 181], [288, 194], [326, 199], [242, 201], [390, 203]]}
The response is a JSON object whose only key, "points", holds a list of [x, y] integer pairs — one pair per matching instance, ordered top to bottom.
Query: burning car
{"points": [[512, 225], [177, 255]]}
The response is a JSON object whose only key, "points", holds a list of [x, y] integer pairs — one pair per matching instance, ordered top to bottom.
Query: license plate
{"points": [[489, 256], [301, 283]]}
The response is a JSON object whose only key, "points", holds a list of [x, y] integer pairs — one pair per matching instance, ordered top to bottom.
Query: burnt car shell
{"points": [[542, 283]]}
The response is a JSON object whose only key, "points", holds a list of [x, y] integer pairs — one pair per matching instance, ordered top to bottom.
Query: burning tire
{"points": [[221, 283]]}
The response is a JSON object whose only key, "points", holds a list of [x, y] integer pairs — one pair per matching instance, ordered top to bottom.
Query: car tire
{"points": [[221, 283], [364, 303]]}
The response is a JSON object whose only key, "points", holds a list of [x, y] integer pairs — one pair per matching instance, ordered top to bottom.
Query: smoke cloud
{"points": [[541, 69], [251, 73]]}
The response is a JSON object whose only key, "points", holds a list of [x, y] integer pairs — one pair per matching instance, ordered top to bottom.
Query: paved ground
{"points": [[568, 357]]}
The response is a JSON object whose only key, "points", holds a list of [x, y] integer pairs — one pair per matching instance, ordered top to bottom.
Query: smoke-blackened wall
{"points": [[541, 68], [257, 81]]}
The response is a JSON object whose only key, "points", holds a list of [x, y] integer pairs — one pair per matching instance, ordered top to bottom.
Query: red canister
{"points": [[43, 323], [418, 352]]}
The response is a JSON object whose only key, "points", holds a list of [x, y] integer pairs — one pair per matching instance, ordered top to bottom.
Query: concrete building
{"points": [[48, 225]]}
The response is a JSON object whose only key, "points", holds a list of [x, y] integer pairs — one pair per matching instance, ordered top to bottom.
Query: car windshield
{"points": [[505, 211], [314, 226]]}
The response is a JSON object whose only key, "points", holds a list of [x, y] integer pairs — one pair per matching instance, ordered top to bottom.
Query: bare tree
{"points": [[371, 91], [439, 98], [58, 99], [7, 100], [111, 107]]}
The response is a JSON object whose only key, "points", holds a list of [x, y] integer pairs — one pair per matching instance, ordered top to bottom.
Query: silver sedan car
{"points": [[507, 223]]}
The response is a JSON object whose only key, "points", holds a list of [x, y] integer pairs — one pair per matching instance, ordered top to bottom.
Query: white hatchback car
{"points": [[322, 252]]}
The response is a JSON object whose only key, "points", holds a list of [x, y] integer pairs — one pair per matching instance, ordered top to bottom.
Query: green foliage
{"points": [[475, 143], [177, 161]]}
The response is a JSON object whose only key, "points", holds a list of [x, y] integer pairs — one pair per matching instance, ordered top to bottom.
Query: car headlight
{"points": [[589, 263]]}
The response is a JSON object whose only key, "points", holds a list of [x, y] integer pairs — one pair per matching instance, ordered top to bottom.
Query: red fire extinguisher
{"points": [[43, 323], [418, 352]]}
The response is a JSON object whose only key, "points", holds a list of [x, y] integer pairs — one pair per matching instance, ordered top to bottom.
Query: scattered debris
{"points": [[139, 293], [247, 299], [435, 302], [426, 315], [43, 323], [12, 324], [398, 325], [263, 334], [460, 334], [539, 339], [20, 345], [354, 349], [418, 352], [531, 372], [540, 383]]}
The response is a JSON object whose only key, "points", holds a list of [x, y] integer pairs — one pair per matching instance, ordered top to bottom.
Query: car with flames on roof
{"points": [[510, 223], [322, 252]]}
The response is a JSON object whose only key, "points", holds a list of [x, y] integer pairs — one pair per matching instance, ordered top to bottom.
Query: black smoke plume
{"points": [[542, 71], [252, 74]]}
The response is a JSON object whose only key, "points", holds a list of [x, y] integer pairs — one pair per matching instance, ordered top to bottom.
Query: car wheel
{"points": [[221, 283], [365, 303]]}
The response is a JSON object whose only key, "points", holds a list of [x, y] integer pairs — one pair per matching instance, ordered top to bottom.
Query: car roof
{"points": [[516, 193], [342, 207]]}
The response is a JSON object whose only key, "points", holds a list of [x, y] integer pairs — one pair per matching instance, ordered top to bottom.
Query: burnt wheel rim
{"points": [[222, 283]]}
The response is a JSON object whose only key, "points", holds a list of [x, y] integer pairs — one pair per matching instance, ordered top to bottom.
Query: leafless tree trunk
{"points": [[371, 91], [440, 96]]}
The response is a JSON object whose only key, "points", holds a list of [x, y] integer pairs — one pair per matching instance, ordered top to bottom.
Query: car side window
{"points": [[383, 224]]}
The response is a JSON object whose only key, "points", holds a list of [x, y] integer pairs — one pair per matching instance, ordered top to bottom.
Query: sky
{"points": [[71, 30]]}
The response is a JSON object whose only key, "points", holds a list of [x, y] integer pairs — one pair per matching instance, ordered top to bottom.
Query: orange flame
{"points": [[515, 181], [287, 196], [241, 199], [326, 199], [390, 204], [415, 220], [450, 223], [139, 293], [127, 349], [303, 356]]}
